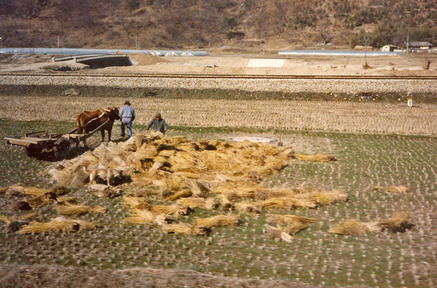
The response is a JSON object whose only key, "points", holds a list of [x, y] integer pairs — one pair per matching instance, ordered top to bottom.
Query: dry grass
{"points": [[58, 224]]}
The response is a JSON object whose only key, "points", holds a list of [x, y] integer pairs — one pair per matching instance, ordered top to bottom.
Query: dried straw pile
{"points": [[177, 164], [183, 175], [399, 222]]}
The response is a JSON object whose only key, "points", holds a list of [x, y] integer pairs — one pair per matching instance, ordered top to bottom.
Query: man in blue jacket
{"points": [[127, 115], [158, 124]]}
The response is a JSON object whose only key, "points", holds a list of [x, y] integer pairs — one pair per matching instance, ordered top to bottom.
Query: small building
{"points": [[420, 45], [388, 48]]}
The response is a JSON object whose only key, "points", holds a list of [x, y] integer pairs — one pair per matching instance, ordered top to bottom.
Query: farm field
{"points": [[240, 110], [364, 123], [243, 255]]}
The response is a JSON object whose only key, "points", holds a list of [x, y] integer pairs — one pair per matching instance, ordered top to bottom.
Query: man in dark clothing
{"points": [[127, 115], [158, 124]]}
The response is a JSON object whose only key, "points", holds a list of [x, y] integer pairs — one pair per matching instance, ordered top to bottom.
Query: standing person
{"points": [[127, 115], [158, 124]]}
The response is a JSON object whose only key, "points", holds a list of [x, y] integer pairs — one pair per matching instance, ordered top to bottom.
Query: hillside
{"points": [[256, 24]]}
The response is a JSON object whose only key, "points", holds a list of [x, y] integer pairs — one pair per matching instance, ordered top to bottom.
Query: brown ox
{"points": [[88, 121]]}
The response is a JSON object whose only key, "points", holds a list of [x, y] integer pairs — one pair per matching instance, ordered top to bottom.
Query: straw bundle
{"points": [[315, 157], [138, 160], [155, 167], [173, 183], [199, 188], [18, 189], [392, 189], [180, 194], [326, 198], [42, 200], [62, 200], [135, 202], [197, 202], [225, 203], [288, 203], [248, 207], [75, 210], [174, 211], [28, 216], [138, 216], [4, 219], [216, 221], [399, 222], [58, 224], [353, 227], [183, 228], [278, 233]]}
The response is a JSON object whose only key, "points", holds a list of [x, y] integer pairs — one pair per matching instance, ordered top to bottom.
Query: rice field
{"points": [[380, 117], [313, 256]]}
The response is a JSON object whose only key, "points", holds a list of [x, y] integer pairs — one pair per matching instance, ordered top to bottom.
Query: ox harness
{"points": [[105, 112]]}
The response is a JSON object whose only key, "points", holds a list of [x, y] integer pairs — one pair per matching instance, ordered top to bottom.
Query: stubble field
{"points": [[373, 142]]}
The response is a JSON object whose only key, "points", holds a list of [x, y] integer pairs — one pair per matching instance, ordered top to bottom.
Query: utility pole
{"points": [[1, 41], [58, 42], [408, 42], [365, 51]]}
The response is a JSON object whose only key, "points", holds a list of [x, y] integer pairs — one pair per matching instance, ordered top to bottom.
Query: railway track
{"points": [[221, 76]]}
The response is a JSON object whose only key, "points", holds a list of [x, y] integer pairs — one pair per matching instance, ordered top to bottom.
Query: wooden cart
{"points": [[55, 145]]}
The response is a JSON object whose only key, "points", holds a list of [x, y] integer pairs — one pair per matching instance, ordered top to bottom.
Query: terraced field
{"points": [[244, 255]]}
